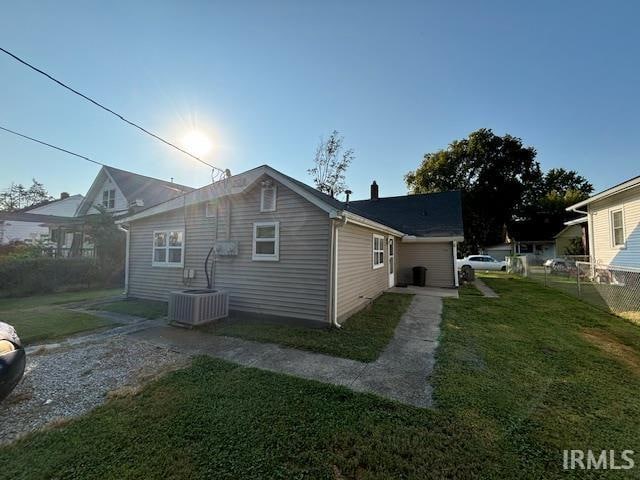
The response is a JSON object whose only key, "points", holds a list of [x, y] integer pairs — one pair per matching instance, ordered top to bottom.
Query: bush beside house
{"points": [[24, 276]]}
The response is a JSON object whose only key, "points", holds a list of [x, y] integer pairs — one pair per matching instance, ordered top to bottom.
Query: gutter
{"points": [[126, 258]]}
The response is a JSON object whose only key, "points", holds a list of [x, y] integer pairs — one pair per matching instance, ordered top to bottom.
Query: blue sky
{"points": [[265, 80]]}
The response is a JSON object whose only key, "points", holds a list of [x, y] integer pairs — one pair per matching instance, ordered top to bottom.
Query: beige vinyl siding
{"points": [[600, 218], [436, 257], [358, 281], [294, 286]]}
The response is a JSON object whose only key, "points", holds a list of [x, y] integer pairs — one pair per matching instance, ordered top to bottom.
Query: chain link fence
{"points": [[610, 287]]}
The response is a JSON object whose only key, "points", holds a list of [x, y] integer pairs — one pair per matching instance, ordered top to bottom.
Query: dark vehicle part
{"points": [[12, 360]]}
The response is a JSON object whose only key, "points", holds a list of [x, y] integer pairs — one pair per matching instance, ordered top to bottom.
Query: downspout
{"points": [[126, 258], [456, 281], [334, 283]]}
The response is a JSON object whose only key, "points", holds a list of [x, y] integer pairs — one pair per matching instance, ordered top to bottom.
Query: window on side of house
{"points": [[268, 195], [109, 198], [211, 208], [617, 228], [266, 241], [168, 248], [378, 251]]}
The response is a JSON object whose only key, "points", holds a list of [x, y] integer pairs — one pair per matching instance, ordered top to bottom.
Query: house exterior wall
{"points": [[120, 205], [600, 223], [563, 239], [436, 257], [358, 281], [296, 285]]}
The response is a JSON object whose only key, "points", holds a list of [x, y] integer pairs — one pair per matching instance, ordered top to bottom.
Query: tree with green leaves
{"points": [[331, 163], [501, 181], [18, 197], [108, 240]]}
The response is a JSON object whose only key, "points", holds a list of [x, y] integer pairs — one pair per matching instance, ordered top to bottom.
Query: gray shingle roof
{"points": [[150, 190], [423, 215]]}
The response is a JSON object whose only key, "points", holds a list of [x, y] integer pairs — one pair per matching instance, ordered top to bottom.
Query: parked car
{"points": [[481, 262]]}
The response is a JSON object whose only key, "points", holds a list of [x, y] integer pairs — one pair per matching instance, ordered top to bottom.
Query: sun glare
{"points": [[197, 143]]}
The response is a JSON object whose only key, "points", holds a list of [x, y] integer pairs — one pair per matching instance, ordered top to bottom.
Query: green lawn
{"points": [[15, 303], [136, 307], [41, 318], [362, 337], [518, 379]]}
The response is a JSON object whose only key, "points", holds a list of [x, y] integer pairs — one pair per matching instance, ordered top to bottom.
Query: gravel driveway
{"points": [[71, 380]]}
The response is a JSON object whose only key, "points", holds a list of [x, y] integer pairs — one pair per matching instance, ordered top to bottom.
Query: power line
{"points": [[121, 117], [52, 146]]}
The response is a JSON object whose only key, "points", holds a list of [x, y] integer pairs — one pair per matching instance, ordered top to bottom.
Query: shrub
{"points": [[23, 276]]}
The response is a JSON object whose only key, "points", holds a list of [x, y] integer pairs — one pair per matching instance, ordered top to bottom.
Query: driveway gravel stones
{"points": [[70, 380]]}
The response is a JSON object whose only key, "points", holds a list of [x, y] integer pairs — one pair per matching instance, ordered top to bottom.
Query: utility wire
{"points": [[121, 117], [51, 146]]}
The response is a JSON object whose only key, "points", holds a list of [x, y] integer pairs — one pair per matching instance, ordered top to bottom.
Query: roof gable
{"points": [[132, 186]]}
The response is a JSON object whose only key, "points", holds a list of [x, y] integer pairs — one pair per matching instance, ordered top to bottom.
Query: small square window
{"points": [[266, 241]]}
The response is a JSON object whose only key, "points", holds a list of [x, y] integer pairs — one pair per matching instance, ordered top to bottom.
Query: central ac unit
{"points": [[196, 307]]}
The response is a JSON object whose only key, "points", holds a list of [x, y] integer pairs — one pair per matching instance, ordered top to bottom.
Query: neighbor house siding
{"points": [[120, 204], [599, 216], [436, 257], [358, 281], [294, 286]]}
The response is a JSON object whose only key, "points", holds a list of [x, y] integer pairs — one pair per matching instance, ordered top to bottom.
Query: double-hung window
{"points": [[109, 198], [617, 228], [266, 241], [168, 248], [378, 251]]}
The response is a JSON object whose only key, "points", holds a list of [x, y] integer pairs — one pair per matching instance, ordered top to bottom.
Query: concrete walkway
{"points": [[484, 289], [400, 373]]}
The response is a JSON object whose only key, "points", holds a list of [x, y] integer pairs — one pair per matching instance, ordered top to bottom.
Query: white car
{"points": [[482, 262]]}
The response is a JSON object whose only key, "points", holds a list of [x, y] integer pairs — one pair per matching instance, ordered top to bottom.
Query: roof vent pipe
{"points": [[374, 191], [348, 194]]}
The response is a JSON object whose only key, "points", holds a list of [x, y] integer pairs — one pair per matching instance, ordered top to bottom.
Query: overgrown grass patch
{"points": [[362, 337]]}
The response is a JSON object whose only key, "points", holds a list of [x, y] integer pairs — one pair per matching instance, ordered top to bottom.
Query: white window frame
{"points": [[273, 187], [108, 191], [612, 228], [166, 248], [375, 251], [266, 257]]}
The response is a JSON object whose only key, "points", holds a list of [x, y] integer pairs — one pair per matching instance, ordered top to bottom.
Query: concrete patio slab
{"points": [[428, 291], [400, 373]]}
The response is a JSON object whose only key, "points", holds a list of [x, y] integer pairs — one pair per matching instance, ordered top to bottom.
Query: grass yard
{"points": [[16, 303], [137, 307], [41, 317], [362, 337], [518, 379]]}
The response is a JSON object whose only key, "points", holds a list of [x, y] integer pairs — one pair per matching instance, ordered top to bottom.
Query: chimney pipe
{"points": [[374, 191], [348, 194]]}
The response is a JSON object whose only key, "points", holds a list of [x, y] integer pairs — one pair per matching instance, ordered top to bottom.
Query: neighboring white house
{"points": [[614, 224], [12, 229]]}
